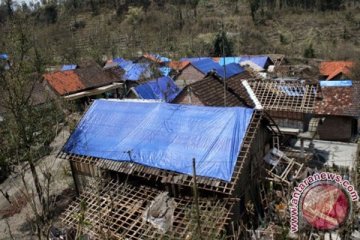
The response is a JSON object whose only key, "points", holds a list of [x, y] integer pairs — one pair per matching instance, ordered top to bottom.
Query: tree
{"points": [[222, 46], [27, 130]]}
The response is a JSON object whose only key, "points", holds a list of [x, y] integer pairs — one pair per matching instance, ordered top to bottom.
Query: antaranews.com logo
{"points": [[323, 200]]}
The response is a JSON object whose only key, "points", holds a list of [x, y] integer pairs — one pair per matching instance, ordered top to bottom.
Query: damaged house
{"points": [[147, 158]]}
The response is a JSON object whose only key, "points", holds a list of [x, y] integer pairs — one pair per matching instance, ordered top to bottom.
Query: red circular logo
{"points": [[325, 206]]}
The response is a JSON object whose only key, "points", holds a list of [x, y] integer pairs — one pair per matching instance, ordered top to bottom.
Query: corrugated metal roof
{"points": [[261, 61], [205, 65], [68, 67], [231, 69], [136, 71], [336, 83], [162, 88]]}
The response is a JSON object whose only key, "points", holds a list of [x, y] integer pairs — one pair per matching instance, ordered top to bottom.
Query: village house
{"points": [[335, 70], [195, 71], [84, 82], [163, 89], [210, 91], [339, 105], [147, 155]]}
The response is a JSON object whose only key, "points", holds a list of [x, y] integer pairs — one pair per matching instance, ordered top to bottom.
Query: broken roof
{"points": [[156, 58], [261, 61], [332, 69], [162, 88], [292, 96], [339, 99], [156, 134], [120, 211]]}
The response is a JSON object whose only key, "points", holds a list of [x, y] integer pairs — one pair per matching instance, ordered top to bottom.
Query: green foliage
{"points": [[135, 16], [222, 46], [309, 52]]}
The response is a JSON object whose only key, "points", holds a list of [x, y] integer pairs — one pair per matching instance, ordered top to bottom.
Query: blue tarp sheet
{"points": [[4, 56], [161, 58], [194, 59], [228, 60], [261, 61], [122, 62], [206, 65], [68, 67], [231, 69], [136, 71], [165, 71], [335, 83], [162, 88], [163, 135]]}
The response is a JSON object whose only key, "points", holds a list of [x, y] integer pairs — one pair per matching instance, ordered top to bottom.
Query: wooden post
{"points": [[198, 226]]}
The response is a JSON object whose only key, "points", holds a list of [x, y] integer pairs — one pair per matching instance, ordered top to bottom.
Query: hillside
{"points": [[182, 30]]}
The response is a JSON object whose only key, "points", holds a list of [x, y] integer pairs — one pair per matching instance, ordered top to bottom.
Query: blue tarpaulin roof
{"points": [[4, 56], [160, 58], [194, 59], [227, 60], [261, 61], [122, 62], [205, 65], [68, 67], [231, 69], [135, 71], [165, 71], [340, 83], [162, 88], [163, 135]]}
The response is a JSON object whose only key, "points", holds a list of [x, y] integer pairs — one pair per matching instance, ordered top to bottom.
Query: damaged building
{"points": [[135, 164]]}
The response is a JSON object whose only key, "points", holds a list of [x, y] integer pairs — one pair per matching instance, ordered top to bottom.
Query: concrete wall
{"points": [[336, 128]]}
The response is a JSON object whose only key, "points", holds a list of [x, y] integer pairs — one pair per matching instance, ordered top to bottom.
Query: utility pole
{"points": [[223, 55], [198, 226]]}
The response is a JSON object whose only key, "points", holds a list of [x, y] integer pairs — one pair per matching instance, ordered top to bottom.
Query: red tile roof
{"points": [[177, 65], [333, 68], [87, 77], [64, 82], [340, 101]]}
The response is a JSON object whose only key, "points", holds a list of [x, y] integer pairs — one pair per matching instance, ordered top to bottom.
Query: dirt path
{"points": [[62, 180]]}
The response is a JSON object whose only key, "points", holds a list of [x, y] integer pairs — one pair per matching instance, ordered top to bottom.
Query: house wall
{"points": [[190, 75], [186, 97], [288, 119], [336, 128], [248, 185]]}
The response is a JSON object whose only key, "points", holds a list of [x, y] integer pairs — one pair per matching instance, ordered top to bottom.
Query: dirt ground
{"points": [[60, 187]]}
